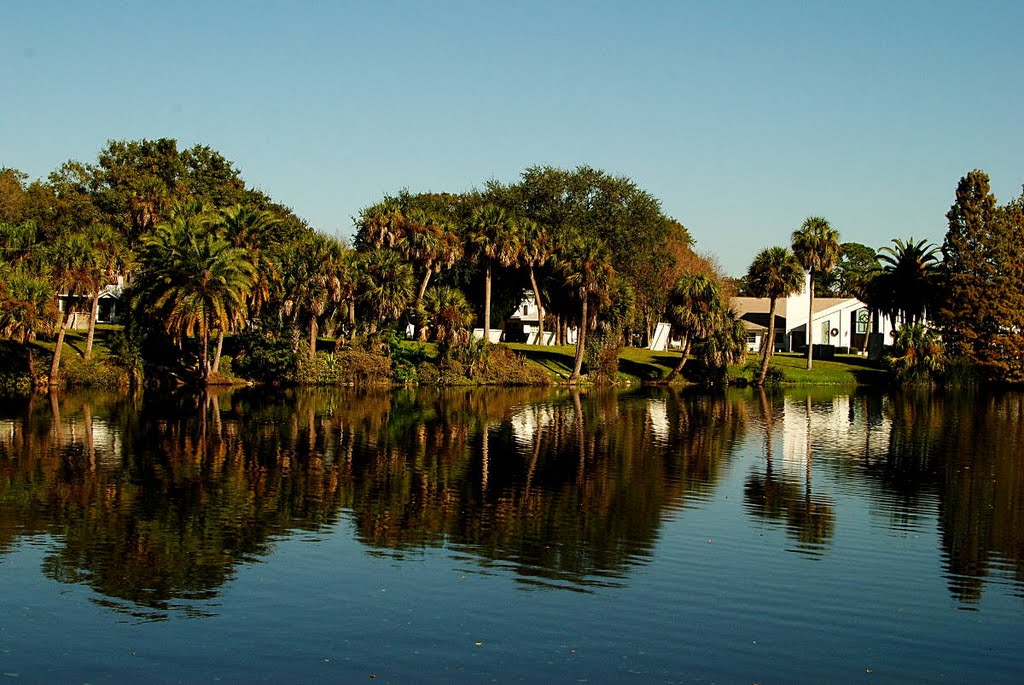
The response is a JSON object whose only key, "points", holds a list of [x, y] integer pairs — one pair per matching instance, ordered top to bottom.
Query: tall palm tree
{"points": [[381, 225], [253, 230], [493, 240], [431, 245], [816, 246], [534, 251], [105, 257], [67, 260], [587, 268], [774, 273], [907, 277], [194, 279], [312, 282], [695, 306]]}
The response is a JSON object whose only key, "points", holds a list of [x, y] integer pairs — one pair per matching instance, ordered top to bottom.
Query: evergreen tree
{"points": [[982, 310]]}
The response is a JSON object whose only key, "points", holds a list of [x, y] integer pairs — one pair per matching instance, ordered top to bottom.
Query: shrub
{"points": [[917, 354], [265, 355], [602, 358], [406, 362], [502, 366], [347, 367], [94, 372], [774, 375]]}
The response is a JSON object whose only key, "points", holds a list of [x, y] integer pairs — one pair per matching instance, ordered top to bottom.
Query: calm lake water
{"points": [[513, 535]]}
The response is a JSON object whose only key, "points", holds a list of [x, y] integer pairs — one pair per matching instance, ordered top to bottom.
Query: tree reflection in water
{"points": [[154, 502], [809, 519]]}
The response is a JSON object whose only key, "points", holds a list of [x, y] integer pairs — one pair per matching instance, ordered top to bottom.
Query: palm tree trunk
{"points": [[419, 302], [487, 304], [540, 308], [93, 313], [810, 316], [65, 320], [312, 336], [581, 339], [769, 346], [220, 349], [685, 349], [205, 352]]}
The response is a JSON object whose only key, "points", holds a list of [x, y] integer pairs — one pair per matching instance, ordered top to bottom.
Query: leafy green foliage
{"points": [[265, 354], [917, 354], [603, 358]]}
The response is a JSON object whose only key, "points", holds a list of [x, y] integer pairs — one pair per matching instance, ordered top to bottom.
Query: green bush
{"points": [[265, 355], [602, 358], [406, 362], [502, 366], [347, 367], [94, 372], [774, 375]]}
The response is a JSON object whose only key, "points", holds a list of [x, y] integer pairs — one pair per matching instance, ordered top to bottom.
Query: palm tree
{"points": [[381, 225], [252, 230], [493, 239], [430, 244], [816, 245], [534, 251], [106, 256], [67, 259], [587, 268], [774, 273], [907, 278], [195, 279], [312, 282], [387, 286], [27, 304], [695, 305], [448, 315], [726, 344]]}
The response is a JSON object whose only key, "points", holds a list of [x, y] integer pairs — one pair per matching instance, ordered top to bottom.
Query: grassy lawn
{"points": [[634, 363], [645, 365], [845, 369]]}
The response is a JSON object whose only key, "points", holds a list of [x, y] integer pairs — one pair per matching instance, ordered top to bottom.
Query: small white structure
{"points": [[494, 335], [660, 339]]}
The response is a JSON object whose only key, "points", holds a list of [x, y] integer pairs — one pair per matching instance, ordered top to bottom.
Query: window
{"points": [[863, 319]]}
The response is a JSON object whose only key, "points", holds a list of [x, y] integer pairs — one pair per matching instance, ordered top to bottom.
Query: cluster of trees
{"points": [[181, 224], [595, 252], [205, 255], [962, 301]]}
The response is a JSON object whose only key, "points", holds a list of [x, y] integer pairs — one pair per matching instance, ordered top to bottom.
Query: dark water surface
{"points": [[498, 535]]}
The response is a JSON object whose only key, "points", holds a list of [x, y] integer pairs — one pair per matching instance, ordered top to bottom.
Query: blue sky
{"points": [[742, 118]]}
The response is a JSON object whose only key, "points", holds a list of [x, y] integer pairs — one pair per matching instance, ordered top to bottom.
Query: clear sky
{"points": [[742, 118]]}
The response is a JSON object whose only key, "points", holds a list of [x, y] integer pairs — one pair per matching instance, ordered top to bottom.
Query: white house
{"points": [[109, 306], [838, 321]]}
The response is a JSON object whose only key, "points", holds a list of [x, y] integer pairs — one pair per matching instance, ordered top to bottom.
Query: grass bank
{"points": [[645, 366], [845, 369]]}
